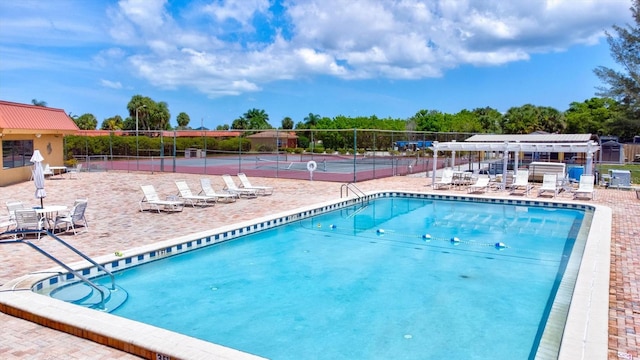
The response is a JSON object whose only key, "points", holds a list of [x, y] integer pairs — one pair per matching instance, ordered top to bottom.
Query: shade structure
{"points": [[38, 176]]}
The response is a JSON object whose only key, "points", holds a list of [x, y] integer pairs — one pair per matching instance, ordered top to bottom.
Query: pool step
{"points": [[87, 296]]}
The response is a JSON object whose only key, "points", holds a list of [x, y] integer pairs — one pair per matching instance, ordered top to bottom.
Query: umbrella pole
{"points": [[41, 206]]}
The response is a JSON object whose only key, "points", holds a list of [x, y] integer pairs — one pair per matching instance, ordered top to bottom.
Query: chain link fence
{"points": [[332, 155]]}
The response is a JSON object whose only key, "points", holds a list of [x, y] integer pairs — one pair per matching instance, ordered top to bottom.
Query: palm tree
{"points": [[257, 119], [312, 120], [287, 123], [239, 124]]}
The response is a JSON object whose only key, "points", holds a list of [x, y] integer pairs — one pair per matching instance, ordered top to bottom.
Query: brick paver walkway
{"points": [[116, 224]]}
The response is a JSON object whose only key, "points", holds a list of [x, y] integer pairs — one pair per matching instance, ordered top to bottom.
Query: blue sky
{"points": [[214, 60]]}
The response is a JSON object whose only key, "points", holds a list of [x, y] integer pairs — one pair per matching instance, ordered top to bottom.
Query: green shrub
{"points": [[265, 148], [71, 162]]}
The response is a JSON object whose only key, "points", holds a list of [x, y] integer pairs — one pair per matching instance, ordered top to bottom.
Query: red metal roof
{"points": [[23, 118], [166, 133], [207, 133], [283, 134]]}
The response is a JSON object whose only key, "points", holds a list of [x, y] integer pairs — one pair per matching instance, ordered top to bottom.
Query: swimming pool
{"points": [[405, 242], [394, 277]]}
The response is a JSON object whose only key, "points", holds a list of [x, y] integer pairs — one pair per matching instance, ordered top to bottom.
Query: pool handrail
{"points": [[351, 186], [22, 240]]}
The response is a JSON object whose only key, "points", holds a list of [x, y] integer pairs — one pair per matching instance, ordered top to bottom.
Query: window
{"points": [[16, 153]]}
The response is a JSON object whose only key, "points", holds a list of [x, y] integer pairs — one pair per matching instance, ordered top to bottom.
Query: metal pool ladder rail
{"points": [[354, 189], [15, 240]]}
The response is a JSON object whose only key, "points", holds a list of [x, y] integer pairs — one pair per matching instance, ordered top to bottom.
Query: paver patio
{"points": [[116, 224]]}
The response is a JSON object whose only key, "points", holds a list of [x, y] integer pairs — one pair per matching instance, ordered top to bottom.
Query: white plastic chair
{"points": [[47, 170], [74, 171], [445, 180], [521, 182], [549, 184], [481, 185], [231, 187], [586, 187], [208, 190], [261, 190], [185, 193], [153, 202], [12, 206], [74, 217], [29, 219]]}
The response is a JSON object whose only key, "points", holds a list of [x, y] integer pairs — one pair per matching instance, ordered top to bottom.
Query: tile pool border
{"points": [[585, 331]]}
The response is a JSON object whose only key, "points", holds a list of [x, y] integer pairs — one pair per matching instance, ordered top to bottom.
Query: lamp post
{"points": [[137, 148]]}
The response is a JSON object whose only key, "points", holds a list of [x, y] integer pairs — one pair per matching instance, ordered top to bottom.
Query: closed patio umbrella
{"points": [[38, 176]]}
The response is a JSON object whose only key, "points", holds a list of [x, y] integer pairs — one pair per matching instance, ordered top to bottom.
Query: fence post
{"points": [[161, 150], [174, 151], [355, 152]]}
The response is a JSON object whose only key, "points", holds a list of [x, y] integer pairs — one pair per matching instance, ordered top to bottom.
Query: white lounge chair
{"points": [[445, 180], [521, 182], [246, 184], [549, 184], [481, 185], [231, 187], [585, 188], [208, 190], [185, 194], [153, 202], [74, 217]]}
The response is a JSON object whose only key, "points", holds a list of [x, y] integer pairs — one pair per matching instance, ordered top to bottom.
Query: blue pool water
{"points": [[380, 282]]}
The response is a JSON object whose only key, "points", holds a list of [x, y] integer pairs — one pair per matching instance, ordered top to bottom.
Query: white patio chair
{"points": [[47, 170], [74, 172], [12, 206], [74, 217], [29, 219], [7, 222]]}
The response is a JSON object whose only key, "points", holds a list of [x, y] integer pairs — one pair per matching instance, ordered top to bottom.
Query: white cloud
{"points": [[241, 11], [146, 14], [51, 24], [221, 53], [111, 84]]}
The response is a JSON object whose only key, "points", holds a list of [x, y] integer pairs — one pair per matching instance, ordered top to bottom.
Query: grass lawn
{"points": [[634, 168]]}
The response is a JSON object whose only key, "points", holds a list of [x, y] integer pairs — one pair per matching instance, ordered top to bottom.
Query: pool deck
{"points": [[116, 224]]}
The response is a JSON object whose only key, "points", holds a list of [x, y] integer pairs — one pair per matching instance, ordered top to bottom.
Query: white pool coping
{"points": [[585, 331]]}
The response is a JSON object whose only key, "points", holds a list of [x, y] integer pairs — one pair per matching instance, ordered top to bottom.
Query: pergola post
{"points": [[516, 155], [453, 157], [589, 162], [505, 164]]}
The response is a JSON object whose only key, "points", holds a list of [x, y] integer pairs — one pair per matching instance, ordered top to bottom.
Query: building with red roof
{"points": [[25, 128]]}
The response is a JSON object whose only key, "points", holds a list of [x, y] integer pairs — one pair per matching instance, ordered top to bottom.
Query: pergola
{"points": [[518, 144]]}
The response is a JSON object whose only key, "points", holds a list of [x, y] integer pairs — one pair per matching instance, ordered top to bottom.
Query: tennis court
{"points": [[340, 168]]}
